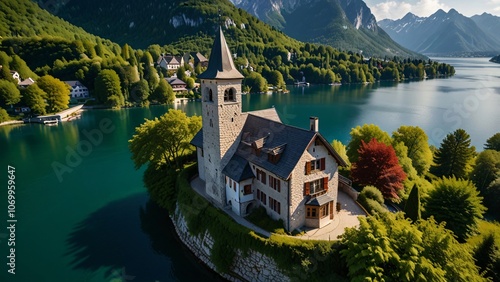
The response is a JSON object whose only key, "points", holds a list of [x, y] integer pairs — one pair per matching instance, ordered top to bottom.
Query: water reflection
{"points": [[117, 240]]}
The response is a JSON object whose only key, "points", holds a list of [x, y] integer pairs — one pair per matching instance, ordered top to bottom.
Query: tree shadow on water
{"points": [[134, 240]]}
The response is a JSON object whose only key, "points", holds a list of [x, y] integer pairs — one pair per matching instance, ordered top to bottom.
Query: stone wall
{"points": [[253, 267]]}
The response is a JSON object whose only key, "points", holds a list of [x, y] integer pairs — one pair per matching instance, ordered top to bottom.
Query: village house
{"points": [[198, 59], [170, 62], [27, 82], [177, 84], [78, 90], [252, 159]]}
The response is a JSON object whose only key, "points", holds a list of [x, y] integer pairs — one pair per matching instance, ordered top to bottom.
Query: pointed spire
{"points": [[220, 64]]}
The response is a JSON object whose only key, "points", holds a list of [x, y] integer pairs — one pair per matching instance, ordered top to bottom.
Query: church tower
{"points": [[221, 114]]}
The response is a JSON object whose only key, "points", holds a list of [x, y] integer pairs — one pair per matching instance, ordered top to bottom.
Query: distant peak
{"points": [[453, 11], [408, 16]]}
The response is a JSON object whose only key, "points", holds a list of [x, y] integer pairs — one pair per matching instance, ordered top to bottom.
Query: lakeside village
{"points": [[80, 94], [267, 201]]}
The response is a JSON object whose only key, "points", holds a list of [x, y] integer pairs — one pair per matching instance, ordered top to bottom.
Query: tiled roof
{"points": [[221, 65], [175, 81], [274, 134], [197, 140], [238, 169], [320, 200]]}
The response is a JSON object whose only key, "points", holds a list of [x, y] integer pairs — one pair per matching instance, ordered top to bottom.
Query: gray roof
{"points": [[220, 65], [175, 81], [273, 134], [197, 140], [238, 169], [320, 200]]}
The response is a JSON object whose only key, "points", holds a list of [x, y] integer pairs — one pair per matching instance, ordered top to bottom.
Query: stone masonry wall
{"points": [[253, 267]]}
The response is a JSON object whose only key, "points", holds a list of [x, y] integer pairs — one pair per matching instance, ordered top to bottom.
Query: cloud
{"points": [[425, 8], [396, 9], [390, 10]]}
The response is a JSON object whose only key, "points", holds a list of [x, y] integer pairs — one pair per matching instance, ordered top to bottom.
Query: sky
{"points": [[396, 9]]}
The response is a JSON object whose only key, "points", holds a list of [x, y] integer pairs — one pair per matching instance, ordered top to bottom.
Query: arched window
{"points": [[210, 95], [230, 95]]}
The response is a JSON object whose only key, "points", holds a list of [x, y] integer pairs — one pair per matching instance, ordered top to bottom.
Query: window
{"points": [[210, 95], [230, 95], [315, 166], [261, 176], [275, 183], [316, 186], [247, 189], [261, 196], [275, 205], [323, 211], [311, 212]]}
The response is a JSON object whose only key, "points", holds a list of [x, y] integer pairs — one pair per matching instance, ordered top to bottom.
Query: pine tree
{"points": [[493, 143], [454, 155]]}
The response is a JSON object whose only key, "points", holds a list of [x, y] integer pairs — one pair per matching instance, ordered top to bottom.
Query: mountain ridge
{"points": [[343, 24], [441, 34]]}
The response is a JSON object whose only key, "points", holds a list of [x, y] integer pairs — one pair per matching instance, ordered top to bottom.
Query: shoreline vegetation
{"points": [[495, 59], [381, 245]]}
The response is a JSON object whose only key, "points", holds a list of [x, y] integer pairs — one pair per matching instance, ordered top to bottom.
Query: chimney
{"points": [[313, 124]]}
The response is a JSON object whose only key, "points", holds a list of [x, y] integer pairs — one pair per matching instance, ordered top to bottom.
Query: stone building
{"points": [[251, 159]]}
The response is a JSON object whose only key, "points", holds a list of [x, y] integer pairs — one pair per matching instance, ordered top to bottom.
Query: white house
{"points": [[170, 62], [78, 90], [251, 159]]}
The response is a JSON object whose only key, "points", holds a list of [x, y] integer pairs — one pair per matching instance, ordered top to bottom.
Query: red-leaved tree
{"points": [[378, 165]]}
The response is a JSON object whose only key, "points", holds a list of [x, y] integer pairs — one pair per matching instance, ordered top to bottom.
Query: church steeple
{"points": [[221, 65]]}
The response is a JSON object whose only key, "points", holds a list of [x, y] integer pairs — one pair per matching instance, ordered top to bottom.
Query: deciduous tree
{"points": [[108, 90], [9, 93], [57, 93], [164, 93], [34, 97], [4, 116], [366, 133], [415, 139], [163, 140], [341, 150], [454, 156], [378, 165], [492, 198], [457, 203], [386, 247], [487, 256]]}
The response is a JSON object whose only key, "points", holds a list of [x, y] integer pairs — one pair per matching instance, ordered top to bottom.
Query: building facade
{"points": [[252, 159]]}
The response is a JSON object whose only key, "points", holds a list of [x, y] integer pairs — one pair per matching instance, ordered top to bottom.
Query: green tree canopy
{"points": [[256, 82], [189, 83], [107, 89], [140, 92], [9, 93], [57, 93], [164, 93], [34, 97], [4, 116], [366, 133], [163, 140], [417, 142], [493, 143], [341, 150], [454, 156], [486, 170], [492, 199], [457, 203], [412, 206], [386, 247], [487, 256]]}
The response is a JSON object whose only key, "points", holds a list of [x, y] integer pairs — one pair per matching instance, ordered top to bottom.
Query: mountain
{"points": [[24, 18], [344, 24], [489, 24], [441, 34]]}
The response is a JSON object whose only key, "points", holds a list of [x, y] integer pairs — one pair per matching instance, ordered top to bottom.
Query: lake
{"points": [[82, 211]]}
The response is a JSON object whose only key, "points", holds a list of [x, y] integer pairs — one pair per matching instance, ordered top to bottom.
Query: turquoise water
{"points": [[81, 208]]}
